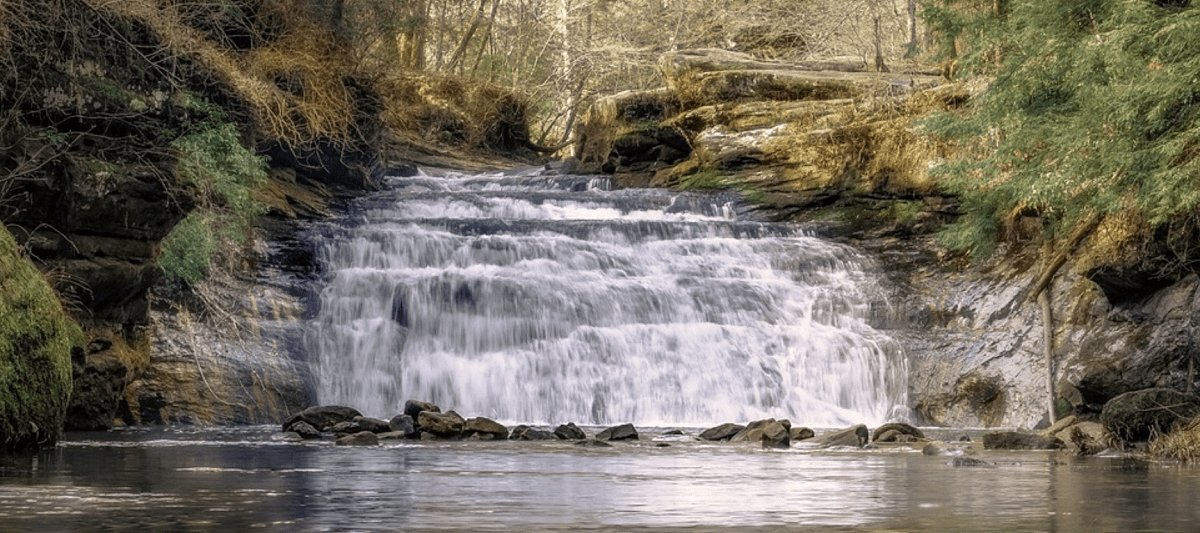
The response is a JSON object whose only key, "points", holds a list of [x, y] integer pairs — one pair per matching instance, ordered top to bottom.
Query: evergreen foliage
{"points": [[1092, 113], [224, 174]]}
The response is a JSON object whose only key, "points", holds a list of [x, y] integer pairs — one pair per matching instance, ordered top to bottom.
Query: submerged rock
{"points": [[621, 432], [897, 432], [856, 437], [362, 438], [1020, 440], [593, 443], [970, 461]]}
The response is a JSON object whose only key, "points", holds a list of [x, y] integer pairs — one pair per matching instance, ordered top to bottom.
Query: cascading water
{"points": [[547, 299]]}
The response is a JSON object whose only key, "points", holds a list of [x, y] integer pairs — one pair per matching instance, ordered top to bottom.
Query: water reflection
{"points": [[206, 482]]}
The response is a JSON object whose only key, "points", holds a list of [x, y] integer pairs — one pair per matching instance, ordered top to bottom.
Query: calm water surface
{"points": [[233, 480]]}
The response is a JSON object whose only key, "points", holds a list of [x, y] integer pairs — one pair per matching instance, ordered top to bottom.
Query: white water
{"points": [[546, 299]]}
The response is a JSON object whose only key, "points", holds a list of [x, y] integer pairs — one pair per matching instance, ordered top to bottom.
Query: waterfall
{"points": [[547, 299]]}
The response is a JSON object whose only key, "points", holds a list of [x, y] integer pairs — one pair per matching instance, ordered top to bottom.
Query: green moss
{"points": [[36, 338]]}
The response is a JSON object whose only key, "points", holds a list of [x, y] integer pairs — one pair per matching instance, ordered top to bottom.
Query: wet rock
{"points": [[99, 384], [414, 408], [1136, 416], [322, 417], [403, 424], [374, 425], [442, 425], [1061, 425], [341, 429], [484, 429], [305, 430], [569, 431], [753, 431], [524, 432], [621, 432], [722, 432], [896, 432], [802, 433], [393, 435], [776, 435], [856, 436], [362, 438], [1089, 438], [1020, 440], [593, 443], [944, 448], [970, 462]]}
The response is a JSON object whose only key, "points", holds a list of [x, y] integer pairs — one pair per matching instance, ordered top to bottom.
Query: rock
{"points": [[99, 385], [414, 408], [1137, 416], [322, 417], [404, 424], [1062, 424], [374, 425], [443, 425], [485, 426], [342, 429], [305, 430], [569, 431], [724, 431], [753, 431], [524, 432], [621, 432], [893, 432], [802, 433], [394, 435], [777, 435], [856, 437], [362, 438], [1089, 438], [1020, 440], [593, 443], [943, 448], [969, 461]]}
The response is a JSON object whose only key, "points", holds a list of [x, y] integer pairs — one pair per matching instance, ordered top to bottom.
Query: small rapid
{"points": [[532, 298]]}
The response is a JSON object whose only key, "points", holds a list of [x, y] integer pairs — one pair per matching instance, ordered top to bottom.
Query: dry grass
{"points": [[1182, 444]]}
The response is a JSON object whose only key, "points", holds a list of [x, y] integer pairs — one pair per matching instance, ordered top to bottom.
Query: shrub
{"points": [[188, 251]]}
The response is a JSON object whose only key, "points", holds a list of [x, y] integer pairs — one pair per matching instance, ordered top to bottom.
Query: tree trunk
{"points": [[912, 26], [410, 41], [459, 53]]}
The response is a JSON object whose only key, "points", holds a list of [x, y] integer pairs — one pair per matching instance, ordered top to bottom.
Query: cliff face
{"points": [[843, 154]]}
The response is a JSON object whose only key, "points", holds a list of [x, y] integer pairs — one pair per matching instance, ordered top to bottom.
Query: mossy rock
{"points": [[36, 339], [1139, 415]]}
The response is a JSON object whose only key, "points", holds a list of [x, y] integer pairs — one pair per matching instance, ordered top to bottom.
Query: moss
{"points": [[36, 338]]}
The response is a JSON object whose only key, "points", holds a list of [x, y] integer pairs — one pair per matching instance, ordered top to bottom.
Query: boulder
{"points": [[99, 384], [414, 408], [1139, 415], [322, 417], [404, 424], [374, 425], [442, 425], [485, 429], [305, 430], [569, 431], [753, 431], [896, 431], [524, 432], [621, 432], [722, 432], [802, 433], [777, 435], [856, 436], [362, 438], [1089, 438], [1020, 440]]}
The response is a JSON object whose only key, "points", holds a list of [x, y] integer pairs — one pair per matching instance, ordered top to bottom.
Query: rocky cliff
{"points": [[840, 149]]}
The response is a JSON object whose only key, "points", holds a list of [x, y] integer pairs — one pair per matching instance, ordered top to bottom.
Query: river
{"points": [[245, 479]]}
